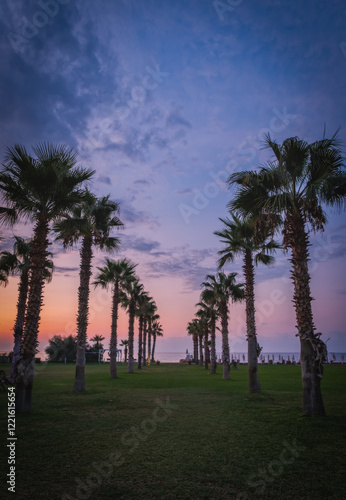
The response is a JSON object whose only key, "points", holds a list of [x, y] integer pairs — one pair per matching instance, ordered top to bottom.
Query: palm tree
{"points": [[296, 184], [39, 189], [92, 221], [245, 237], [18, 262], [12, 263], [116, 274], [221, 288], [129, 300], [209, 304], [141, 310], [146, 314], [203, 314], [152, 316], [192, 329], [157, 331], [125, 343]]}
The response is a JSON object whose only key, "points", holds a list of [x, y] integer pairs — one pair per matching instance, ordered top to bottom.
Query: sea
{"points": [[265, 357], [276, 357]]}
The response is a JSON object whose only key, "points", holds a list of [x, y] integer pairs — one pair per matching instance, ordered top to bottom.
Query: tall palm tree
{"points": [[301, 178], [39, 189], [92, 222], [254, 243], [18, 262], [115, 274], [221, 288], [129, 300], [209, 304], [142, 305], [146, 314], [203, 314], [152, 316], [192, 329], [157, 331]]}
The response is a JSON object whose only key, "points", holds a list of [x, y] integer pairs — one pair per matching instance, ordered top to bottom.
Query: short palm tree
{"points": [[296, 184], [39, 189], [92, 222], [254, 243], [18, 262], [115, 274], [221, 288], [129, 300], [157, 331], [125, 344]]}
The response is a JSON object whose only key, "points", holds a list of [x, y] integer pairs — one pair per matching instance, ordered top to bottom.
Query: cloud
{"points": [[175, 119], [105, 180], [142, 182], [184, 191], [131, 215], [139, 244], [186, 263]]}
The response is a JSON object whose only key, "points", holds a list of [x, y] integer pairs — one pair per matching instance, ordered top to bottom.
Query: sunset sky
{"points": [[164, 99]]}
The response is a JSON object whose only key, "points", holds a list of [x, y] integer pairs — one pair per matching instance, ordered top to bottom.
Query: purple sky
{"points": [[164, 100]]}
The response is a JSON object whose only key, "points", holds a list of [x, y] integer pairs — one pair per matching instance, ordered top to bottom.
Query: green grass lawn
{"points": [[176, 432]]}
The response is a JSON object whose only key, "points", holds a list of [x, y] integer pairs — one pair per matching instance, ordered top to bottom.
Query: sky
{"points": [[164, 99]]}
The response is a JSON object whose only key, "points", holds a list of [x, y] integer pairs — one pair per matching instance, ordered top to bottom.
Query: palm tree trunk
{"points": [[132, 308], [83, 312], [19, 324], [149, 336], [114, 341], [145, 341], [140, 342], [225, 343], [213, 346], [252, 346], [206, 347], [195, 348], [312, 349], [153, 351], [201, 359], [24, 371]]}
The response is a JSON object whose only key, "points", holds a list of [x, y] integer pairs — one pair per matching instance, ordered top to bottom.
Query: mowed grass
{"points": [[209, 439]]}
